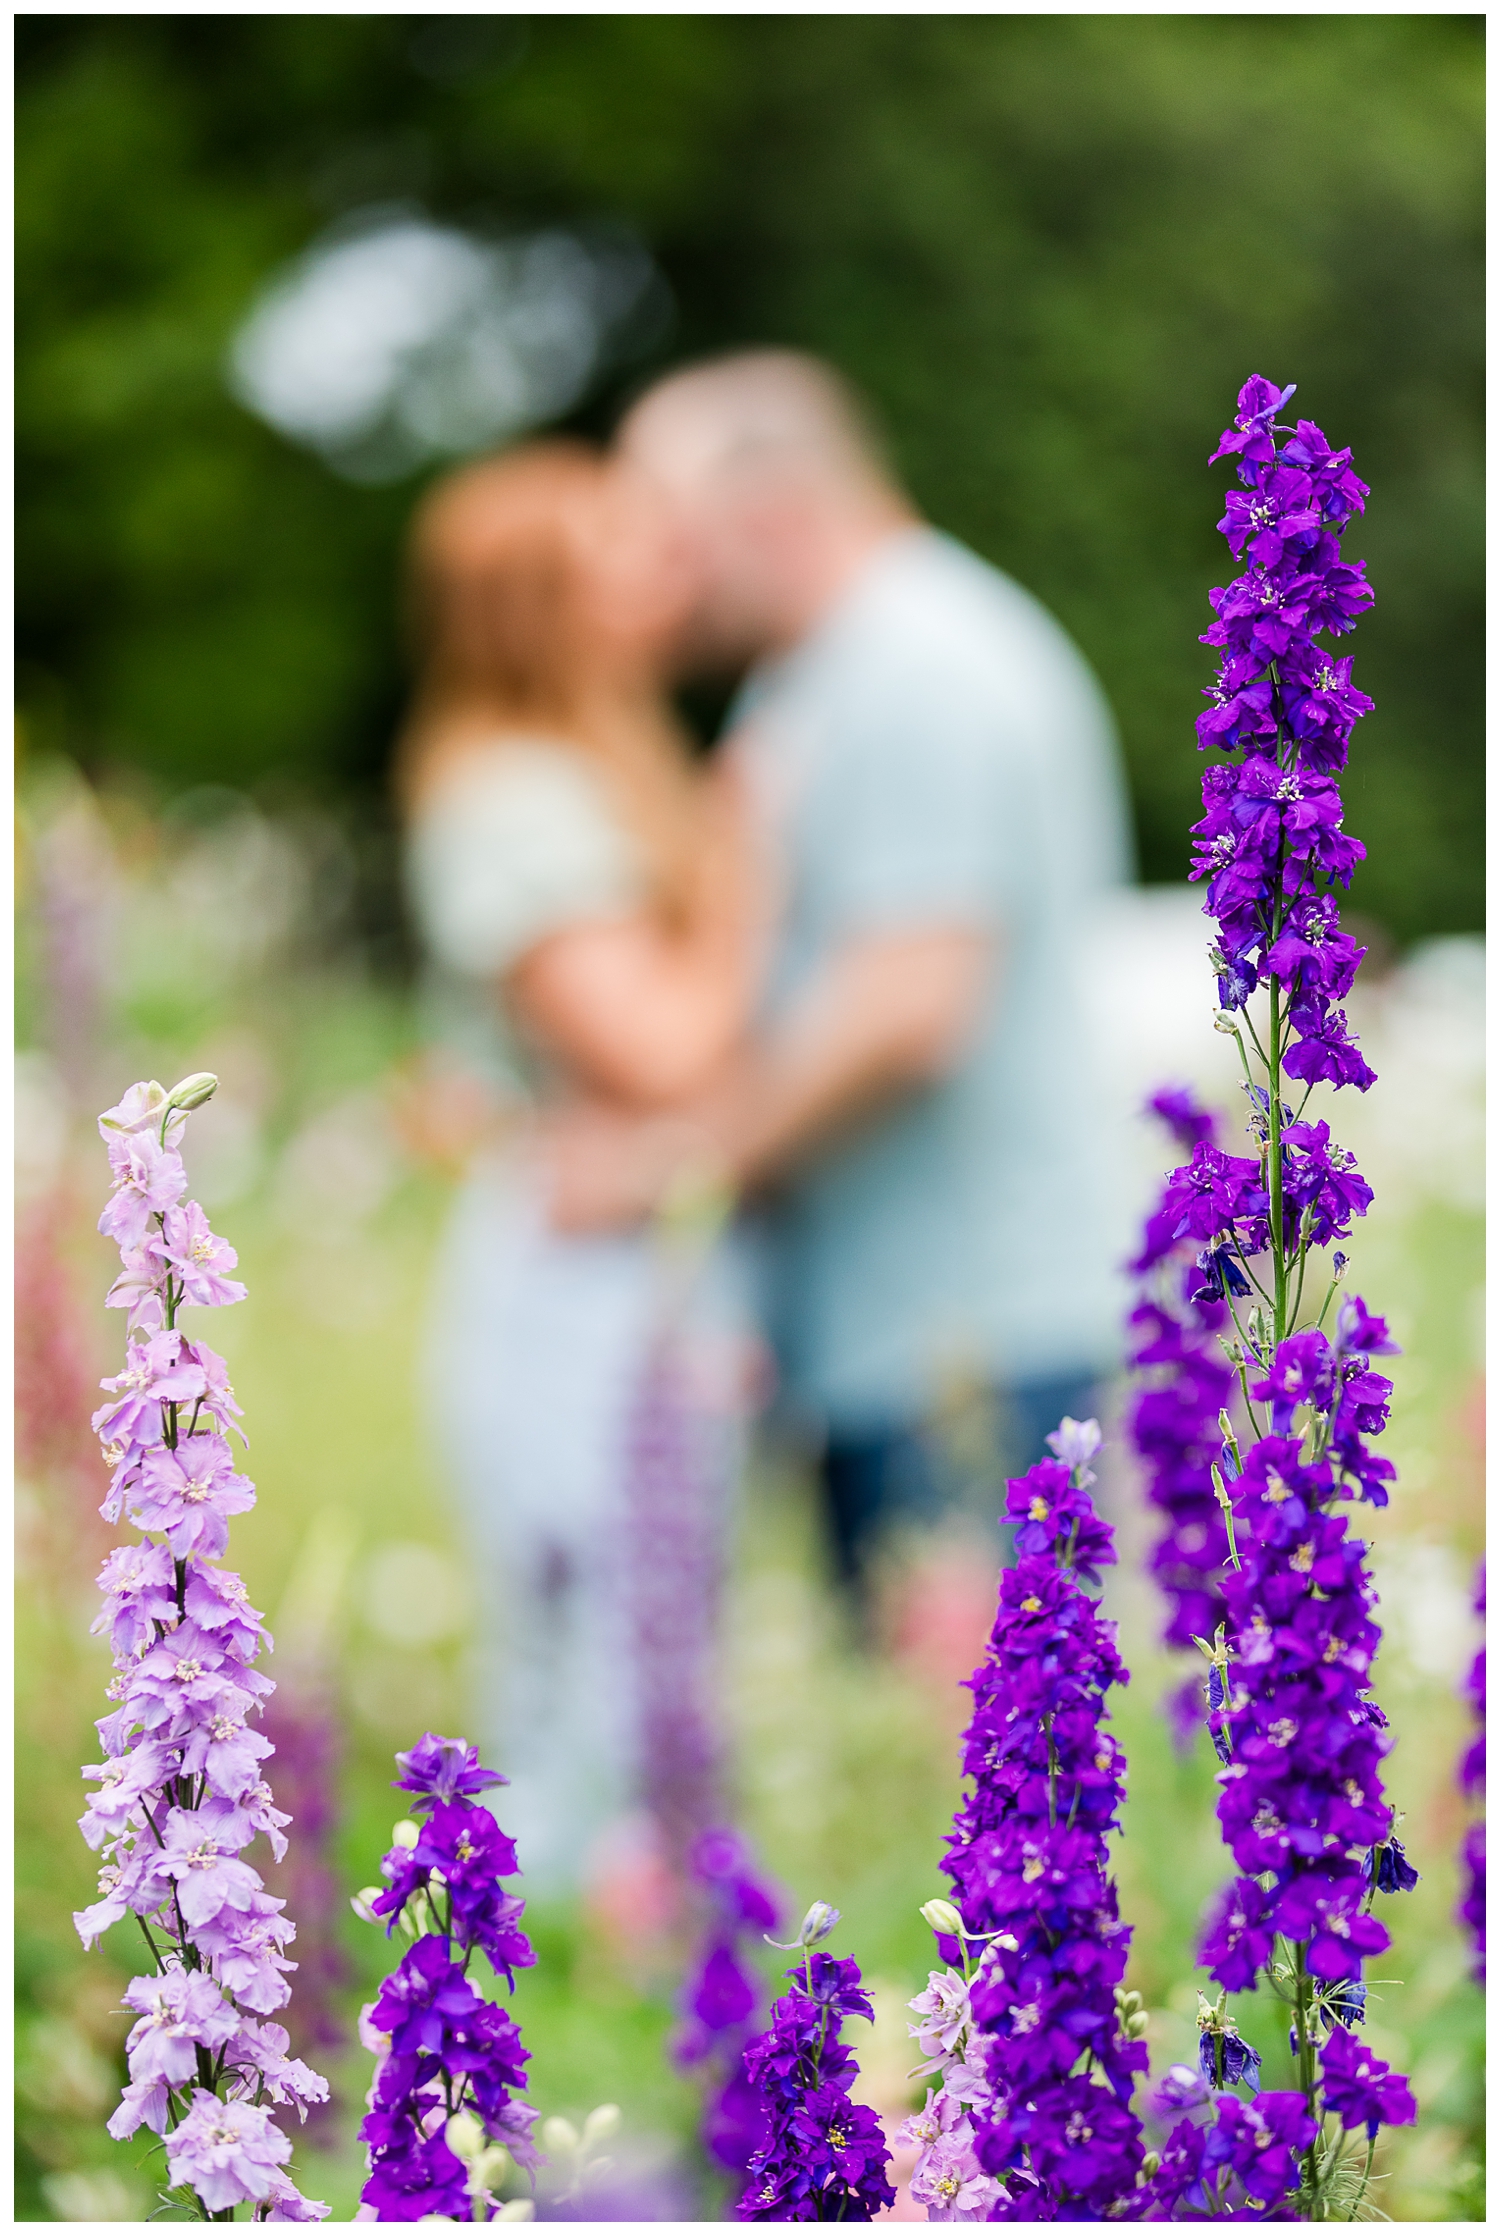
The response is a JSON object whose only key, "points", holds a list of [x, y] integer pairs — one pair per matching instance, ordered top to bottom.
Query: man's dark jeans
{"points": [[887, 1478]]}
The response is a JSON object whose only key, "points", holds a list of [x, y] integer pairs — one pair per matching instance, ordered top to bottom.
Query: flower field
{"points": [[847, 1765]]}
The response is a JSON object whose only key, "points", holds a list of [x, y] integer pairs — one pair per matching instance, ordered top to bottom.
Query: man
{"points": [[938, 772]]}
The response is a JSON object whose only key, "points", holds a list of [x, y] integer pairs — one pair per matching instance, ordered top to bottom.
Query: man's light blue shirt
{"points": [[938, 753]]}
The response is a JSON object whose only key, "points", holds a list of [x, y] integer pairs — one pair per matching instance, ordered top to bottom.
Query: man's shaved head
{"points": [[761, 413], [781, 486]]}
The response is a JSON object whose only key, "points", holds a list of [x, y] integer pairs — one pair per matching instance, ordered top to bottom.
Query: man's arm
{"points": [[889, 1015]]}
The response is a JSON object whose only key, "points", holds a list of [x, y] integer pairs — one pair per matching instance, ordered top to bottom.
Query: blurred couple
{"points": [[833, 969]]}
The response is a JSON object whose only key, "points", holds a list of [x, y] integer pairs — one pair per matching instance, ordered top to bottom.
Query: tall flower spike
{"points": [[675, 1462], [1300, 1738], [181, 1788], [1471, 1907], [723, 1996], [1050, 2042], [446, 2120], [824, 2157]]}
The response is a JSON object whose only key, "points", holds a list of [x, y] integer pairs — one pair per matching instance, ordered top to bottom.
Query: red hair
{"points": [[498, 598]]}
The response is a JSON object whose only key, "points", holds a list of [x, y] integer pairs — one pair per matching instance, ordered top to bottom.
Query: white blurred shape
{"points": [[393, 339], [1150, 1007], [1419, 1133], [413, 1595], [1426, 1612], [98, 2196]]}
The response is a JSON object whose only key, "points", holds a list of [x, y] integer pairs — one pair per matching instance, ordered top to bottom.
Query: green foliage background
{"points": [[1049, 247]]}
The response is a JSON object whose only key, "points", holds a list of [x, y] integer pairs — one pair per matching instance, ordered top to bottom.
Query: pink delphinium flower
{"points": [[148, 1181], [201, 1258], [189, 1494], [181, 1791], [943, 2017], [228, 2153], [948, 2178], [951, 2183]]}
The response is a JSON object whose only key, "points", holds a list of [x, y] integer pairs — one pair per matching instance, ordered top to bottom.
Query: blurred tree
{"points": [[1049, 247]]}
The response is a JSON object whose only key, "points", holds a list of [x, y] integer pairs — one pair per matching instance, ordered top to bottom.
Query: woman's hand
{"points": [[607, 1168]]}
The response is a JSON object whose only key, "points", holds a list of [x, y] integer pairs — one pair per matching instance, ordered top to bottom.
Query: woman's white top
{"points": [[516, 840]]}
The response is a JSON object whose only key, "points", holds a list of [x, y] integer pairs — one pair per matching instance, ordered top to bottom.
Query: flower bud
{"points": [[1224, 1022], [191, 1093], [1075, 1443], [406, 1834], [360, 1904], [943, 1917], [820, 1920], [601, 2123], [559, 2135], [465, 2136], [1150, 2164], [491, 2167], [519, 2208]]}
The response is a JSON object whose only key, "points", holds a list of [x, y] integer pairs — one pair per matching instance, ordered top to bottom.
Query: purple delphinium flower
{"points": [[1183, 1383], [674, 1581], [1299, 1738], [437, 1770], [181, 1789], [1029, 1864], [1471, 1908], [723, 1997], [441, 2047], [1224, 2058], [1181, 2088], [1361, 2088], [823, 2157], [1243, 2165]]}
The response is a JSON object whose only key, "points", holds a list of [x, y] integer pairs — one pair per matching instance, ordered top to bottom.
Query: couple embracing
{"points": [[836, 970]]}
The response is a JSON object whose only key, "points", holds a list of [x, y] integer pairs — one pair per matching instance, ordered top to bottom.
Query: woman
{"points": [[584, 895]]}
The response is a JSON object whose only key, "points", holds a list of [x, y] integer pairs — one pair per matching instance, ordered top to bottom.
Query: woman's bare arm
{"points": [[645, 1011], [636, 1012]]}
